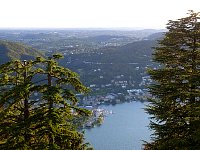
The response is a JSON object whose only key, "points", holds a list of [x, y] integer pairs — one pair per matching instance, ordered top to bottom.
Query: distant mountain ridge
{"points": [[156, 36], [12, 50], [139, 52]]}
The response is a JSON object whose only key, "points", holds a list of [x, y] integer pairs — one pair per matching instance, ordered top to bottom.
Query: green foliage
{"points": [[175, 106], [45, 122]]}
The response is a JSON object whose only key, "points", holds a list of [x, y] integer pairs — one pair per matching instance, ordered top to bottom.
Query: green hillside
{"points": [[12, 50], [103, 66]]}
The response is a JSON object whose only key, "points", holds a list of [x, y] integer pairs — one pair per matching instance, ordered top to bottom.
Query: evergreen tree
{"points": [[175, 102], [46, 122]]}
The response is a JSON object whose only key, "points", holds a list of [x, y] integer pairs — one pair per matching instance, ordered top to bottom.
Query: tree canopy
{"points": [[175, 102], [37, 105]]}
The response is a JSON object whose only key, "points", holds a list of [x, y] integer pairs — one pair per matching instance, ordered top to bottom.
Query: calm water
{"points": [[123, 130]]}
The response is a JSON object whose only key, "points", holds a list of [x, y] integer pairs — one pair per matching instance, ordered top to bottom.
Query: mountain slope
{"points": [[12, 50], [137, 52], [105, 64]]}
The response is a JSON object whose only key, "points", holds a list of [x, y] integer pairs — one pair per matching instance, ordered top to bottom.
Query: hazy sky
{"points": [[92, 13]]}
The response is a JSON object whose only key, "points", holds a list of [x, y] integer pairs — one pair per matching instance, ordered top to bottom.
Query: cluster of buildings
{"points": [[119, 90], [97, 117]]}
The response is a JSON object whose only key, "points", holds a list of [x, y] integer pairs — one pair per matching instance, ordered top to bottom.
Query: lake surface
{"points": [[123, 130]]}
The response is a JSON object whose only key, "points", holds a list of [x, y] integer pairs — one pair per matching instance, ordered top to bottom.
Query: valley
{"points": [[112, 63]]}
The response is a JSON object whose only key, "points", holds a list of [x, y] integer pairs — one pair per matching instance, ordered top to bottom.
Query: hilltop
{"points": [[12, 50]]}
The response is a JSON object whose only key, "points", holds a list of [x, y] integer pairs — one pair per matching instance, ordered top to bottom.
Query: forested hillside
{"points": [[12, 50], [130, 60]]}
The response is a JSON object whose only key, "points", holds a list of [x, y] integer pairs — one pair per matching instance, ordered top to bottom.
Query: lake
{"points": [[123, 130]]}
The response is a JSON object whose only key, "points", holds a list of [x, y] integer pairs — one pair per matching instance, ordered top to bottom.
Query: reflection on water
{"points": [[123, 130]]}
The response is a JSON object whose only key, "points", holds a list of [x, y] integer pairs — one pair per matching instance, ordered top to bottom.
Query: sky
{"points": [[152, 14]]}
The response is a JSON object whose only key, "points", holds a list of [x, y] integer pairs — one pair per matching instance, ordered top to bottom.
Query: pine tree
{"points": [[15, 90], [175, 102], [46, 122]]}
